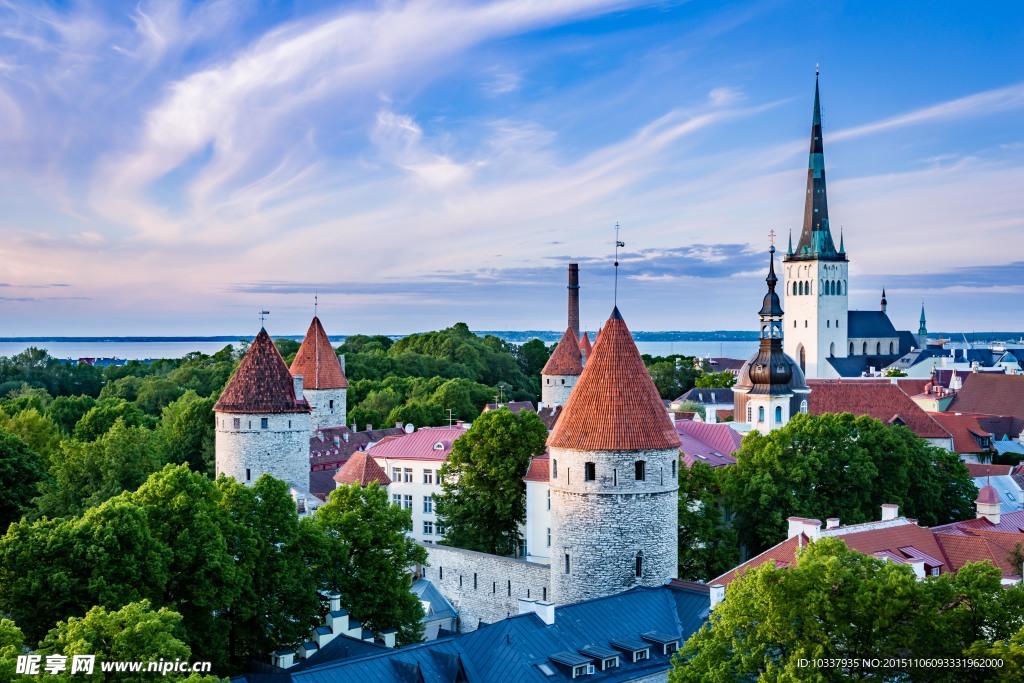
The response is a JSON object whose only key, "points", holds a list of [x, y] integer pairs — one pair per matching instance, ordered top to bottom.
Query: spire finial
{"points": [[817, 68], [771, 239], [618, 244], [316, 301], [264, 314]]}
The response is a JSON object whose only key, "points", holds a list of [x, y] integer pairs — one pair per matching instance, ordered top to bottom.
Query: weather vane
{"points": [[618, 244], [263, 314]]}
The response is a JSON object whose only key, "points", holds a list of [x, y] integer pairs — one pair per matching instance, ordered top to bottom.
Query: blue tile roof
{"points": [[869, 325]]}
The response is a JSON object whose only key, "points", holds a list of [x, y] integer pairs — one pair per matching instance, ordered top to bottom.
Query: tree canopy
{"points": [[21, 471], [483, 499], [707, 545]]}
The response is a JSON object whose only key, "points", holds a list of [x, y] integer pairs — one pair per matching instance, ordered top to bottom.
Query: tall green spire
{"points": [[815, 237], [923, 329]]}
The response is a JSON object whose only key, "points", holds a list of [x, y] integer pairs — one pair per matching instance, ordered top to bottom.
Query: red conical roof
{"points": [[585, 347], [566, 358], [317, 362], [261, 383], [614, 405], [361, 469]]}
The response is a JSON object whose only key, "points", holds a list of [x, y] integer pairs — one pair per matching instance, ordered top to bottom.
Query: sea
{"points": [[148, 349]]}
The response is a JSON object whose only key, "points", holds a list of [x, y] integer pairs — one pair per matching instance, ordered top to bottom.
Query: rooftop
{"points": [[566, 359], [317, 362], [261, 383], [881, 400], [426, 443], [361, 469]]}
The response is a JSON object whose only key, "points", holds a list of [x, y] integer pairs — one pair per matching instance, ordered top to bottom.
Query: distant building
{"points": [[713, 400]]}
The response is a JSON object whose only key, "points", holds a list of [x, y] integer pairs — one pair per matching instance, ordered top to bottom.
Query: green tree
{"points": [[361, 343], [287, 347], [532, 357], [673, 376], [715, 380], [156, 393], [464, 398], [693, 407], [66, 411], [418, 413], [104, 414], [37, 430], [187, 431], [842, 466], [21, 471], [483, 499], [708, 547], [364, 554], [278, 603], [136, 632], [12, 644]]}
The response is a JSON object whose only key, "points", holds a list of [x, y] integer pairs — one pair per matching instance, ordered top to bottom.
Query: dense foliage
{"points": [[822, 466], [483, 499], [707, 545], [839, 604]]}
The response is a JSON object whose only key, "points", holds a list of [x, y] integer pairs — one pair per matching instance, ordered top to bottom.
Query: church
{"points": [[826, 338]]}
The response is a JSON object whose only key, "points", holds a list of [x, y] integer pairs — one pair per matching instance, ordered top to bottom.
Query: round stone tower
{"points": [[562, 370], [323, 381], [262, 420], [613, 482]]}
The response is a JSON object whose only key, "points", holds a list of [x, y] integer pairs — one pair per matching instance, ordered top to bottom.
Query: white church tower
{"points": [[816, 275], [324, 384], [262, 420], [613, 477]]}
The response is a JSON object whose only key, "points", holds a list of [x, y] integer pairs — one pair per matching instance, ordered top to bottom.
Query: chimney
{"points": [[574, 298], [341, 359], [297, 384], [459, 424], [399, 425], [369, 427], [890, 512], [832, 523], [796, 527], [812, 528], [717, 594], [334, 599], [542, 608], [387, 637], [283, 658]]}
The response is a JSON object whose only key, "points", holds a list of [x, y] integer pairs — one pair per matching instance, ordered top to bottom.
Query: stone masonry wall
{"points": [[555, 389], [321, 413], [281, 450], [604, 524], [484, 587]]}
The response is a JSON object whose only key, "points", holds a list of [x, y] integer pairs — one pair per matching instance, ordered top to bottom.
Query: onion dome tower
{"points": [[816, 274], [561, 371], [324, 385], [771, 386], [262, 420], [613, 478]]}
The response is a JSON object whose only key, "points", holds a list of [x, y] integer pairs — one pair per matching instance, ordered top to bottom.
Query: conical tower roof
{"points": [[585, 346], [566, 359], [317, 362], [261, 383], [615, 405], [361, 469]]}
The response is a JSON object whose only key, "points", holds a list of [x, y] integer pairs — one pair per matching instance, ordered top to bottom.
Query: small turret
{"points": [[884, 302]]}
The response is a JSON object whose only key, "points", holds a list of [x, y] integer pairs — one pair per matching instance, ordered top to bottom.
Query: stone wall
{"points": [[555, 389], [322, 413], [249, 450], [604, 524], [484, 587]]}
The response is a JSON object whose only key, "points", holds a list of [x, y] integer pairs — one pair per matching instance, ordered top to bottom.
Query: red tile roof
{"points": [[585, 346], [566, 358], [317, 362], [261, 383], [991, 393], [881, 400], [614, 405], [513, 406], [724, 414], [549, 416], [965, 431], [426, 443], [710, 443], [325, 454], [362, 469], [540, 469], [978, 469], [1010, 522], [959, 550], [782, 554]]}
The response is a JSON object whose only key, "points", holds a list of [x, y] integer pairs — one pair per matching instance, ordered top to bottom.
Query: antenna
{"points": [[618, 244], [263, 314], [451, 416]]}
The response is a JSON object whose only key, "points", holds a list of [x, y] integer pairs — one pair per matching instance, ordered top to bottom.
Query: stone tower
{"points": [[816, 274], [561, 371], [323, 381], [770, 387], [262, 420], [613, 478]]}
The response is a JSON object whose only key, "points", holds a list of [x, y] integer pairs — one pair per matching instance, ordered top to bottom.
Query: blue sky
{"points": [[174, 167]]}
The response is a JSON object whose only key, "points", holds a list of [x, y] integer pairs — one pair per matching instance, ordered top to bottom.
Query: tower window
{"points": [[805, 323], [828, 323], [851, 348], [864, 348], [878, 348], [563, 381], [330, 404], [760, 413], [778, 414], [264, 422], [236, 423], [673, 468], [554, 469], [639, 470], [589, 471], [248, 474], [615, 477], [549, 500], [549, 537], [567, 563], [639, 565], [474, 580], [510, 588]]}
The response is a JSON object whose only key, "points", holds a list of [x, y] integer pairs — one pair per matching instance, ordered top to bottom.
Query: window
{"points": [[805, 323], [828, 323], [794, 324], [851, 348], [878, 348], [892, 348], [832, 349], [864, 349], [563, 381], [331, 404], [803, 406], [760, 413], [750, 414], [778, 414], [264, 422], [237, 423], [250, 424], [289, 424], [673, 468], [554, 469], [639, 470], [589, 472], [248, 474], [396, 474], [408, 475], [428, 476], [615, 477], [397, 499], [549, 499], [408, 502], [428, 504], [428, 528], [439, 529], [549, 537], [567, 563], [639, 565], [440, 573], [474, 580], [510, 588], [544, 593]]}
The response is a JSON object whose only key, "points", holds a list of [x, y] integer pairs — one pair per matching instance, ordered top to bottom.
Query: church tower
{"points": [[816, 274], [922, 331], [324, 385], [770, 388], [262, 420], [613, 477]]}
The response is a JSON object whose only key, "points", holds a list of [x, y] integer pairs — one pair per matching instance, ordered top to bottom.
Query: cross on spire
{"points": [[771, 236]]}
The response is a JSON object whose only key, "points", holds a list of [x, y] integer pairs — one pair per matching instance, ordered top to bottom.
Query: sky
{"points": [[173, 168]]}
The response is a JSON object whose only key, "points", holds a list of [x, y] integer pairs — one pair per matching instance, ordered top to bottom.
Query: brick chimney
{"points": [[574, 298], [297, 386]]}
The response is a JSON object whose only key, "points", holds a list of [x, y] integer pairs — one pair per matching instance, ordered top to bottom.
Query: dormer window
{"points": [[438, 446]]}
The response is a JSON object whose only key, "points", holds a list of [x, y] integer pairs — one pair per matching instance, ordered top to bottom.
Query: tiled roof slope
{"points": [[585, 346], [566, 358], [317, 362], [261, 383], [991, 393], [880, 400], [615, 405], [965, 430], [426, 443], [710, 443], [324, 453], [361, 469], [540, 469], [978, 469], [782, 555]]}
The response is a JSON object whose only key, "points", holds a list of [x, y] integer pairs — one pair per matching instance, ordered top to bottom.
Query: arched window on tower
{"points": [[800, 287], [807, 287], [794, 289], [851, 348], [878, 348], [892, 348], [832, 349], [864, 349], [803, 359], [803, 406], [760, 414], [778, 415]]}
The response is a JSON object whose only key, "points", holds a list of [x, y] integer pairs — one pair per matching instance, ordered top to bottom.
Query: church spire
{"points": [[815, 237], [884, 302], [923, 329]]}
